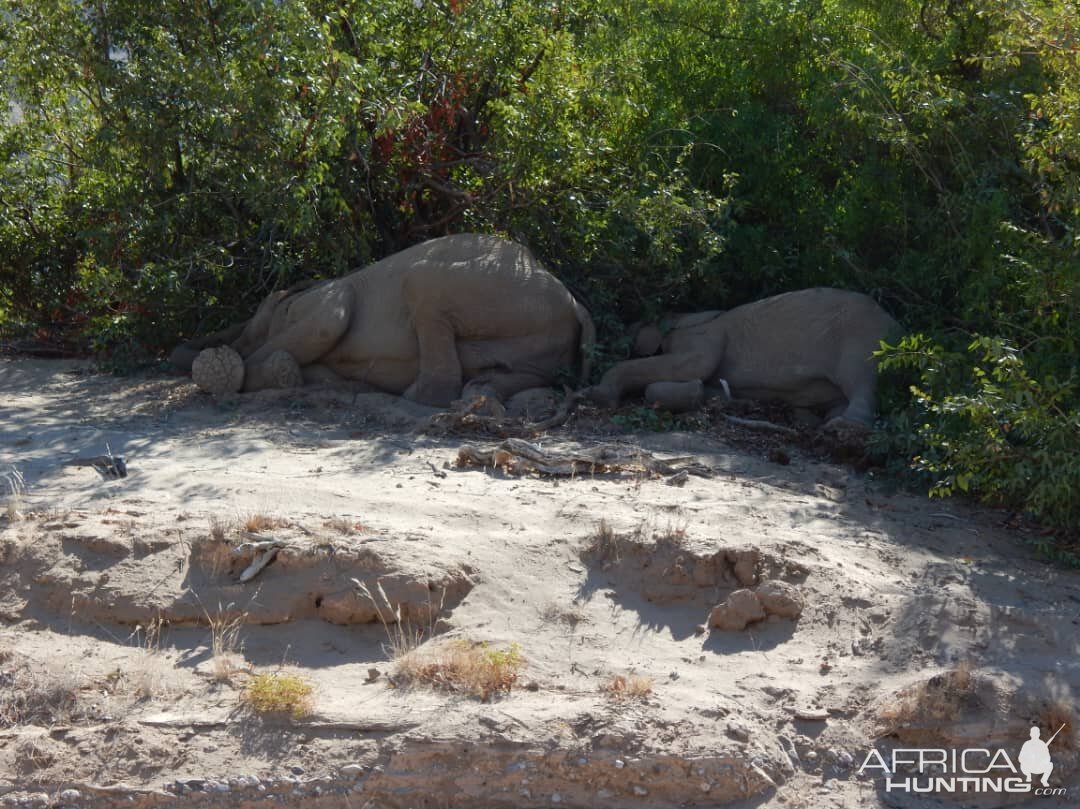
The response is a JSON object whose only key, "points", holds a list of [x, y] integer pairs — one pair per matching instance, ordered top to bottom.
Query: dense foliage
{"points": [[165, 164]]}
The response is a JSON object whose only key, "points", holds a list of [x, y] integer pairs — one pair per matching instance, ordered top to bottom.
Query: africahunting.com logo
{"points": [[975, 769]]}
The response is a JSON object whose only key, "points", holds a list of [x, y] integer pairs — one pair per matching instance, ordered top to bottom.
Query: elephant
{"points": [[467, 309], [810, 348]]}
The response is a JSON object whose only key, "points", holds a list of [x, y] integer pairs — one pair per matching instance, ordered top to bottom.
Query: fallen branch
{"points": [[474, 419], [764, 426], [518, 457], [108, 466], [258, 544], [260, 562], [810, 714]]}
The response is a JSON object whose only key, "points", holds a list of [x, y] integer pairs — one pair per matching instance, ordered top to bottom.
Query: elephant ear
{"points": [[647, 340]]}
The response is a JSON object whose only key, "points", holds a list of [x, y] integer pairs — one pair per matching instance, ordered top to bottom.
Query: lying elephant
{"points": [[422, 323], [809, 348]]}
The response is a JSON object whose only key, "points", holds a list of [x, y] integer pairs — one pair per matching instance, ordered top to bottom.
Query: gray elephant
{"points": [[463, 309], [810, 348]]}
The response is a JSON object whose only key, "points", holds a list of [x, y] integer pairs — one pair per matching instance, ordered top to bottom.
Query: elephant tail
{"points": [[588, 342]]}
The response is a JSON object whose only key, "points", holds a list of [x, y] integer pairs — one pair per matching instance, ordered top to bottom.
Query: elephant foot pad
{"points": [[218, 370]]}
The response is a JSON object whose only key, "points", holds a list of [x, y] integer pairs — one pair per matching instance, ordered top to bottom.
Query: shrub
{"points": [[169, 166], [983, 426], [462, 666], [279, 694]]}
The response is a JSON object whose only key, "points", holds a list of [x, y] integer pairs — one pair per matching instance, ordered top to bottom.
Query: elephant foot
{"points": [[218, 370], [285, 370], [278, 371], [475, 390], [433, 391], [601, 396], [676, 397], [533, 404], [845, 425], [845, 437]]}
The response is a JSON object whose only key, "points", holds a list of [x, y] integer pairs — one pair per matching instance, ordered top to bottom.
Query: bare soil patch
{"points": [[490, 635]]}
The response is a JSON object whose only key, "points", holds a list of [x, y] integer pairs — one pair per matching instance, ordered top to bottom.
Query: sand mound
{"points": [[115, 570]]}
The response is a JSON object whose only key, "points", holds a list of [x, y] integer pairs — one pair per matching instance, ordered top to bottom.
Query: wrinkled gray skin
{"points": [[421, 323], [810, 348]]}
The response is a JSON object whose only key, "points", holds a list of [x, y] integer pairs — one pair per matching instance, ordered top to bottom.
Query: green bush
{"points": [[173, 163], [997, 434]]}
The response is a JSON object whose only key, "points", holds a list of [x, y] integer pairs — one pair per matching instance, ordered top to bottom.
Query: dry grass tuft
{"points": [[16, 487], [257, 522], [345, 526], [220, 528], [674, 535], [604, 543], [213, 553], [571, 616], [149, 637], [402, 638], [225, 646], [462, 667], [150, 674], [960, 679], [622, 687], [279, 693], [38, 698], [938, 699], [1055, 715], [30, 755]]}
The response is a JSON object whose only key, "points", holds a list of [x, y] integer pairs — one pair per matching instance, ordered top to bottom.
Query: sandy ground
{"points": [[923, 623]]}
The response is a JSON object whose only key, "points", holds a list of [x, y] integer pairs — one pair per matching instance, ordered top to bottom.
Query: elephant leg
{"points": [[316, 329], [256, 330], [509, 365], [321, 375], [634, 375], [439, 380], [857, 380], [505, 385], [861, 406]]}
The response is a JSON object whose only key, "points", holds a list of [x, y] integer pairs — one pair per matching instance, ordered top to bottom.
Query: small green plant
{"points": [[646, 418], [1056, 552], [503, 662], [279, 693]]}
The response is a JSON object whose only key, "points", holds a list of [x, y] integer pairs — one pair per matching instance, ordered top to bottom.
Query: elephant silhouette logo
{"points": [[1035, 756]]}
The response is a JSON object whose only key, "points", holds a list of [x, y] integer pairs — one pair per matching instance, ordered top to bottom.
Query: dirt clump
{"points": [[744, 607]]}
